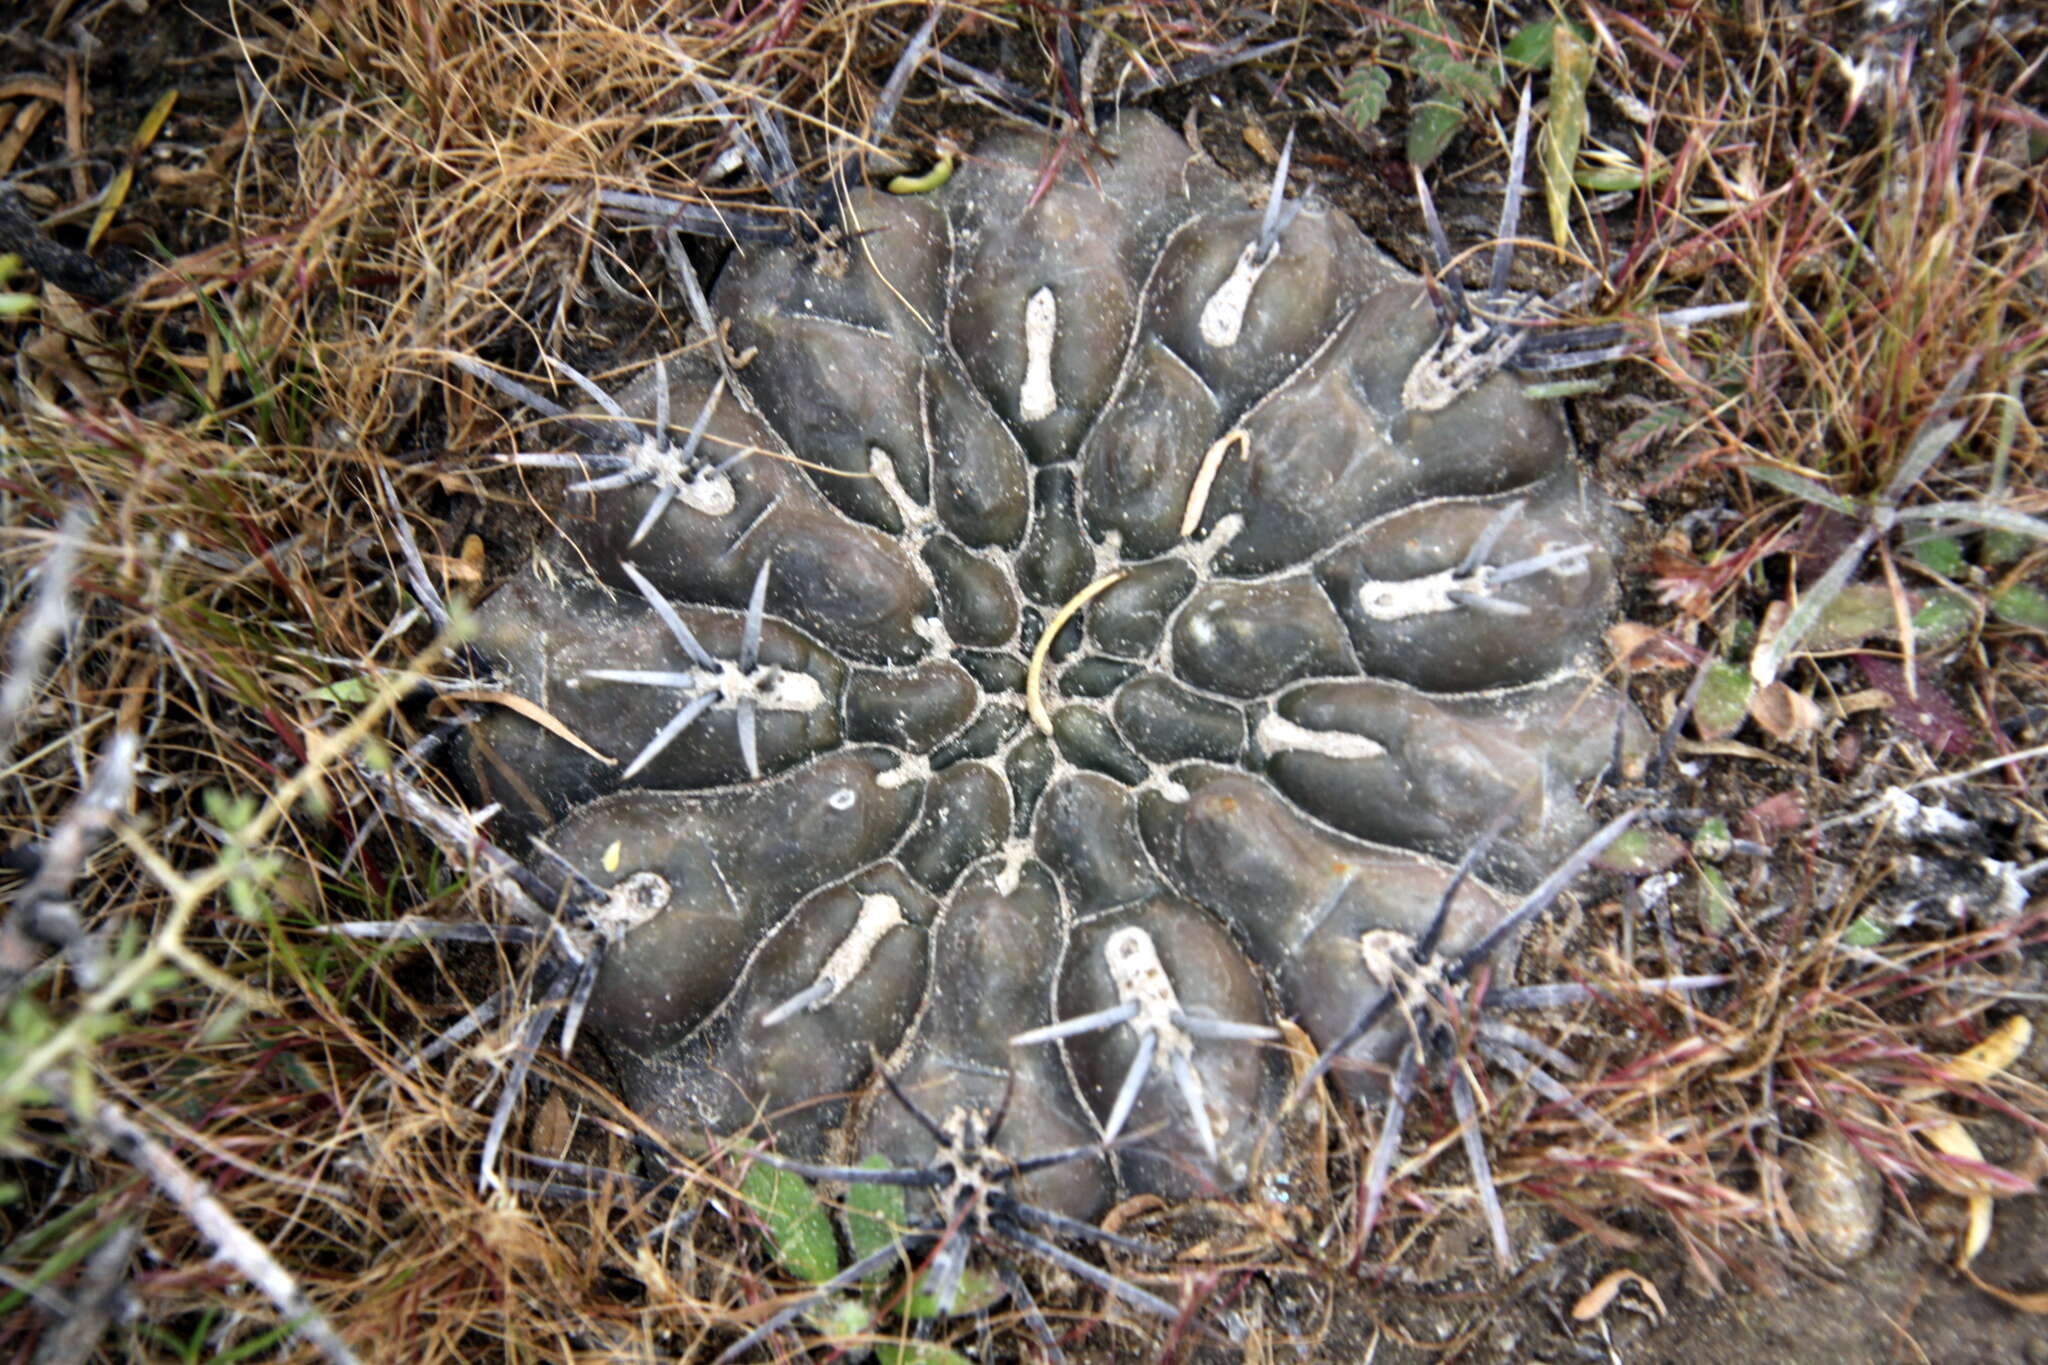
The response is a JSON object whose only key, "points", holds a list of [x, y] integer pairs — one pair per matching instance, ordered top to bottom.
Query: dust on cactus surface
{"points": [[1050, 606]]}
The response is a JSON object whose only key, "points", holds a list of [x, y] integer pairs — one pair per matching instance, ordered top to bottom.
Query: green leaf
{"points": [[1425, 29], [1531, 44], [1571, 70], [1461, 79], [1364, 93], [1431, 126], [1609, 179], [13, 304], [1639, 435], [2001, 548], [1943, 554], [2022, 604], [1862, 611], [1853, 615], [1943, 621], [353, 691], [1723, 703], [229, 811], [1640, 852], [246, 898], [1717, 907], [1865, 932], [875, 1216], [798, 1230], [978, 1291], [838, 1319]]}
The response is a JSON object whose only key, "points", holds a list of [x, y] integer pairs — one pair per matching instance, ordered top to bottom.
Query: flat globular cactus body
{"points": [[1057, 653]]}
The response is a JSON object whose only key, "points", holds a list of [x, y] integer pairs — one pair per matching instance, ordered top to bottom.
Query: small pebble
{"points": [[1838, 1196]]}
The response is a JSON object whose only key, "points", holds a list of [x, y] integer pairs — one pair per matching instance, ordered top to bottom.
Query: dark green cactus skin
{"points": [[1264, 739]]}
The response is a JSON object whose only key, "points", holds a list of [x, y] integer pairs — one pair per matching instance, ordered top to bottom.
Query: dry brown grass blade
{"points": [[530, 709]]}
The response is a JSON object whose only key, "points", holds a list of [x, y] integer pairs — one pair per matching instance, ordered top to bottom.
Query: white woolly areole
{"points": [[1223, 314], [1465, 356], [1036, 399], [883, 466], [697, 487], [711, 493], [1201, 554], [1400, 598], [1397, 599], [932, 631], [771, 689], [1277, 734], [909, 768], [1159, 780], [1013, 855], [631, 904], [878, 915], [1384, 953], [1389, 959], [1141, 979]]}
